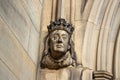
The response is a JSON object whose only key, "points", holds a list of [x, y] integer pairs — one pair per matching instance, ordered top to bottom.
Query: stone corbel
{"points": [[102, 75]]}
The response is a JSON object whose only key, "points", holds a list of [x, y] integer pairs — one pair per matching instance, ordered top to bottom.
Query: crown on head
{"points": [[60, 24]]}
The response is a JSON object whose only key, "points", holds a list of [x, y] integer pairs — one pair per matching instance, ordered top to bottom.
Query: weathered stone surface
{"points": [[86, 7], [33, 9], [54, 9], [63, 9], [66, 9], [77, 9], [72, 11], [98, 11], [46, 14], [16, 18], [79, 32], [43, 34], [97, 37], [112, 38], [19, 39], [33, 45], [89, 45], [105, 49], [10, 50], [14, 55], [117, 61], [28, 71], [5, 73], [69, 73], [48, 74], [62, 74]]}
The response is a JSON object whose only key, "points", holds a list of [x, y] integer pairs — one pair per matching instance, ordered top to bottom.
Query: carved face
{"points": [[59, 40]]}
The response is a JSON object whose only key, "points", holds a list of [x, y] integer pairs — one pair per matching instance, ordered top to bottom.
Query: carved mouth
{"points": [[59, 46]]}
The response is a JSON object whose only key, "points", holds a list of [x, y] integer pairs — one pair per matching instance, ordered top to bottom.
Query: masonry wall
{"points": [[20, 22], [23, 26], [97, 30]]}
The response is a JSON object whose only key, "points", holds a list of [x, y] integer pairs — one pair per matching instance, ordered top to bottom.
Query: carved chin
{"points": [[60, 49], [58, 55]]}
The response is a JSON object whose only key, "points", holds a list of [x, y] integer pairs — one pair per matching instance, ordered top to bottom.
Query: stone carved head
{"points": [[58, 46]]}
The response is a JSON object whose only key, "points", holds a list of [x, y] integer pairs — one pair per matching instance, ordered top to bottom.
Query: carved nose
{"points": [[59, 40]]}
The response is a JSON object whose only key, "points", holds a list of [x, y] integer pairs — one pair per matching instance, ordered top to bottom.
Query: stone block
{"points": [[33, 9], [46, 14], [16, 18], [33, 45], [10, 49], [14, 56], [28, 71], [5, 72], [69, 73], [48, 74], [62, 74]]}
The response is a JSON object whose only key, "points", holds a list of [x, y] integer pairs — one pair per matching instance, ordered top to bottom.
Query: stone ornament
{"points": [[59, 48], [59, 60]]}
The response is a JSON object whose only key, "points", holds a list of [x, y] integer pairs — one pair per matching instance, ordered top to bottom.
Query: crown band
{"points": [[60, 24]]}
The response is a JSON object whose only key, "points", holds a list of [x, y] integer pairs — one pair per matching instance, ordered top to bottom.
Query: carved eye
{"points": [[64, 36], [55, 37]]}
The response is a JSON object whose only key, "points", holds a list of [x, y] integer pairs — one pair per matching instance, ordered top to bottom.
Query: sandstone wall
{"points": [[20, 22], [23, 26], [96, 36]]}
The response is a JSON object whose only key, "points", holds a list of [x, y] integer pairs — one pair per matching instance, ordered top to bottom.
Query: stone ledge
{"points": [[102, 75]]}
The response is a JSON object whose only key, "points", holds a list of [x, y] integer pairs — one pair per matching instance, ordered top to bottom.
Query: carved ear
{"points": [[69, 47]]}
